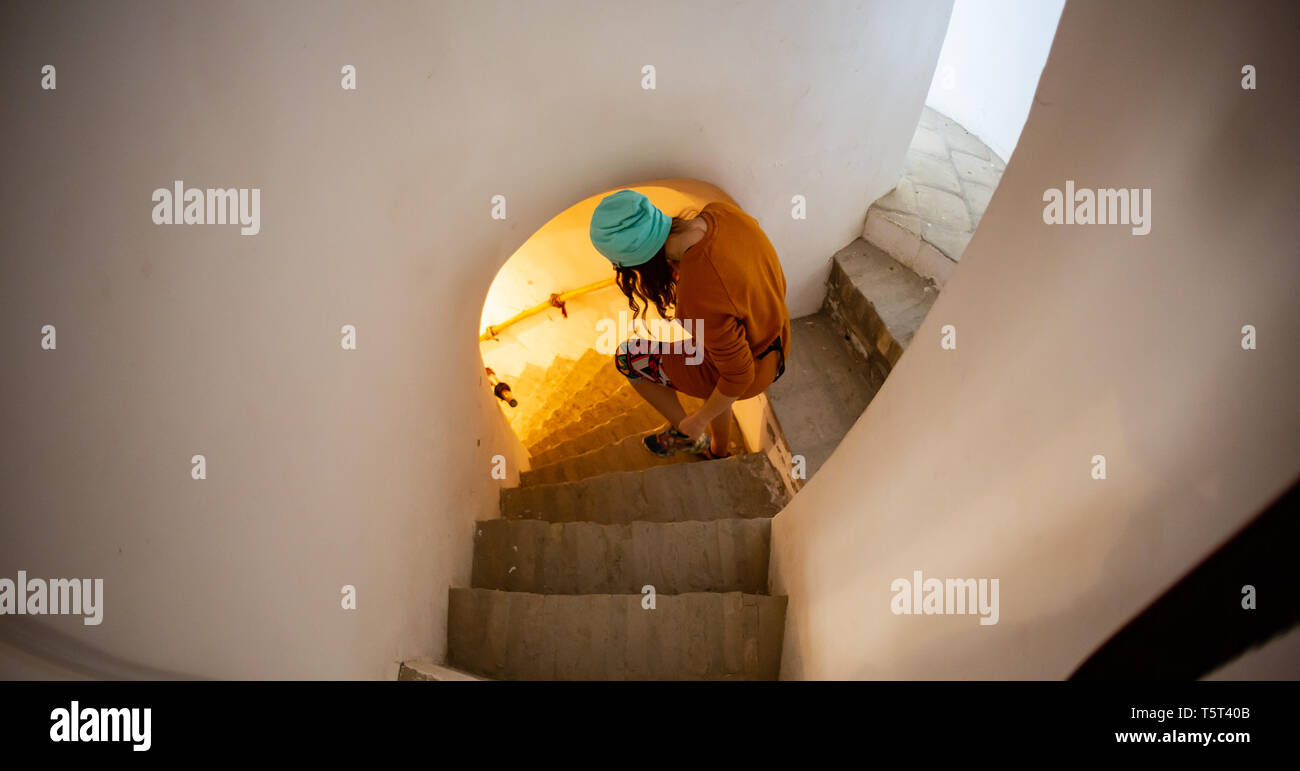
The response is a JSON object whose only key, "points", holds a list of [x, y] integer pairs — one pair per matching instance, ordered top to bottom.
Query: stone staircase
{"points": [[927, 220], [881, 288], [842, 354], [608, 563], [611, 564]]}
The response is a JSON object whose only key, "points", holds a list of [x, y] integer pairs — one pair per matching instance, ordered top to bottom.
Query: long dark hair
{"points": [[653, 281]]}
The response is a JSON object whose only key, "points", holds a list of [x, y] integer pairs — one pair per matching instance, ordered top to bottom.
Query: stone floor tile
{"points": [[959, 138], [930, 142], [973, 169], [926, 170], [901, 199], [977, 200], [942, 208], [912, 222], [950, 242]]}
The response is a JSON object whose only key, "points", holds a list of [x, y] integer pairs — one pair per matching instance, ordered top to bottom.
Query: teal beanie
{"points": [[627, 229]]}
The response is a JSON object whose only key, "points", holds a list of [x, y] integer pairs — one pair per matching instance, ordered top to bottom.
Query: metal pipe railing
{"points": [[556, 300]]}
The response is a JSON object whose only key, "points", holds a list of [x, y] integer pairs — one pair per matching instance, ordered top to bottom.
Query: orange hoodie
{"points": [[731, 287]]}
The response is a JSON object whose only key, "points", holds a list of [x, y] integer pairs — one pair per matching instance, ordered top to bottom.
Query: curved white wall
{"points": [[989, 66], [1074, 341], [363, 467]]}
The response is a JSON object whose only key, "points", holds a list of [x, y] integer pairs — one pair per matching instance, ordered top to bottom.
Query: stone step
{"points": [[929, 218], [899, 235], [879, 300], [534, 372], [568, 381], [605, 381], [527, 382], [827, 385], [524, 386], [603, 393], [550, 394], [539, 395], [626, 402], [580, 411], [633, 423], [627, 454], [741, 486], [722, 555], [695, 636], [426, 671]]}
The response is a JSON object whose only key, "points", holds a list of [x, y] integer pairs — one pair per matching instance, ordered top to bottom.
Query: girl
{"points": [[717, 270]]}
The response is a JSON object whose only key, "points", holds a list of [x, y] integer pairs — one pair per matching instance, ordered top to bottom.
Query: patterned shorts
{"points": [[637, 360]]}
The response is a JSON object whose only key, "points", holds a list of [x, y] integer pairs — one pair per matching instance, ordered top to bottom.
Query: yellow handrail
{"points": [[556, 300]]}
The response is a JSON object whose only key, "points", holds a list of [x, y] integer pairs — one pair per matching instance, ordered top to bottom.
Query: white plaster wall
{"points": [[989, 66], [1074, 341], [367, 467]]}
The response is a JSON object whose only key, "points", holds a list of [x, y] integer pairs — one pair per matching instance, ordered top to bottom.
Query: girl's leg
{"points": [[644, 370], [663, 399], [720, 430]]}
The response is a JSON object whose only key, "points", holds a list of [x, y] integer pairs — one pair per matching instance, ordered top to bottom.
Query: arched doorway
{"points": [[552, 316]]}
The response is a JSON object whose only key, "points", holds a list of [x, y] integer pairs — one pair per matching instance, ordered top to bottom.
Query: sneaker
{"points": [[668, 443], [708, 454]]}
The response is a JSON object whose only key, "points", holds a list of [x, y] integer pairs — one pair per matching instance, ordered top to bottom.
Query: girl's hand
{"points": [[692, 426]]}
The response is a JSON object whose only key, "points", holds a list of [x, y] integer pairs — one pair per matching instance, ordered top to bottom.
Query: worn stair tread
{"points": [[897, 295], [556, 371], [531, 374], [567, 381], [827, 385], [523, 386], [605, 389], [549, 394], [531, 405], [632, 410], [638, 414], [572, 418], [632, 423], [627, 454], [740, 486], [530, 555], [609, 563], [694, 636], [426, 670]]}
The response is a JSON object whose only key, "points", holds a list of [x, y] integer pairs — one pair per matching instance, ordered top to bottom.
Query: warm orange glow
{"points": [[559, 257]]}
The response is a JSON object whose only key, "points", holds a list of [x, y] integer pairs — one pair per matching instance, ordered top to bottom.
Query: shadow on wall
{"points": [[1197, 626]]}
